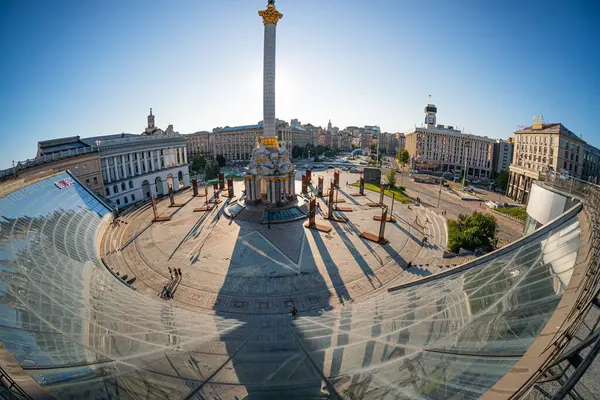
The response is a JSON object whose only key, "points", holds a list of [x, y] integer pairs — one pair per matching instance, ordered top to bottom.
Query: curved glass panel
{"points": [[82, 333]]}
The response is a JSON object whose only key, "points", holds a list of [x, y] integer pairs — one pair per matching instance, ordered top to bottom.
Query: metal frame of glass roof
{"points": [[79, 332]]}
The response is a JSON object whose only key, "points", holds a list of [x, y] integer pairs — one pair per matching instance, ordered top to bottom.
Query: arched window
{"points": [[130, 184], [123, 187], [115, 189], [107, 192], [125, 200]]}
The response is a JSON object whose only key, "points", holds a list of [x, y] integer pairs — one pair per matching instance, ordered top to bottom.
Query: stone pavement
{"points": [[235, 266]]}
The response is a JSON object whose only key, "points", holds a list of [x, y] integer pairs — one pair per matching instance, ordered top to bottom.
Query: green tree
{"points": [[296, 151], [403, 157], [221, 160], [199, 163], [211, 171], [391, 178], [502, 180], [471, 232]]}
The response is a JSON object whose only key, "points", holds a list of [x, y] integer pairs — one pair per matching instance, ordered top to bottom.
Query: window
{"points": [[571, 156], [577, 158], [565, 165], [84, 167], [570, 167], [575, 168], [95, 180], [87, 182], [130, 184], [123, 186], [115, 189], [107, 192], [132, 197], [125, 200], [118, 202]]}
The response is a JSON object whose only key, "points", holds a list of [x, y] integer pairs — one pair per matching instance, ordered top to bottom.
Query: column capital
{"points": [[270, 15]]}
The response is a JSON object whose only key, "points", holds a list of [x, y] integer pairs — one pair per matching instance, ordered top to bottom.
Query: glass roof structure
{"points": [[81, 333]]}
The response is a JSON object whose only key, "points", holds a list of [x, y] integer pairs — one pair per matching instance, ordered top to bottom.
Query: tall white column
{"points": [[269, 81], [185, 155], [167, 157], [173, 157], [152, 160], [139, 162], [146, 162], [124, 166], [131, 166], [116, 168], [107, 170]]}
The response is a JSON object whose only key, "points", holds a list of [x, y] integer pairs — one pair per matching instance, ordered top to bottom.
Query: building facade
{"points": [[300, 136], [401, 141], [236, 142], [199, 143], [388, 143], [539, 148], [445, 149], [66, 154], [503, 154], [591, 164], [139, 167]]}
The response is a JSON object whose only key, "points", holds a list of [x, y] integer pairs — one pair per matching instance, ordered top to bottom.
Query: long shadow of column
{"points": [[362, 263], [268, 356]]}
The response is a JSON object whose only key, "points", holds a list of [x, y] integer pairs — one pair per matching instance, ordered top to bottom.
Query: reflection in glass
{"points": [[81, 333]]}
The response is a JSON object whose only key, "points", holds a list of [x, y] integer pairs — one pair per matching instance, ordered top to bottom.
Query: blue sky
{"points": [[90, 68]]}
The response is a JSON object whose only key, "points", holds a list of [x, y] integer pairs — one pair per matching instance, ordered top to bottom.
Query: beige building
{"points": [[297, 135], [346, 140], [401, 141], [199, 143], [236, 143], [388, 143], [443, 148], [539, 148], [446, 149], [53, 156]]}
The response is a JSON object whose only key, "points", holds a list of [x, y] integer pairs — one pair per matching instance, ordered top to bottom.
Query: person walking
{"points": [[294, 312]]}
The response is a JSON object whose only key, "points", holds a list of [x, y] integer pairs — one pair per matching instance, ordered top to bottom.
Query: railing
{"points": [[47, 158], [579, 343], [9, 390]]}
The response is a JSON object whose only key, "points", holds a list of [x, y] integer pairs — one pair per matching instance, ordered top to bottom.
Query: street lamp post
{"points": [[465, 170]]}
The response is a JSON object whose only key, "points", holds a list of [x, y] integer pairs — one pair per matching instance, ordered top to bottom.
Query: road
{"points": [[508, 230]]}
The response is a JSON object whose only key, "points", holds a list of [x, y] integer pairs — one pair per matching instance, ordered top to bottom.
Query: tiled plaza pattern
{"points": [[237, 266], [81, 333]]}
